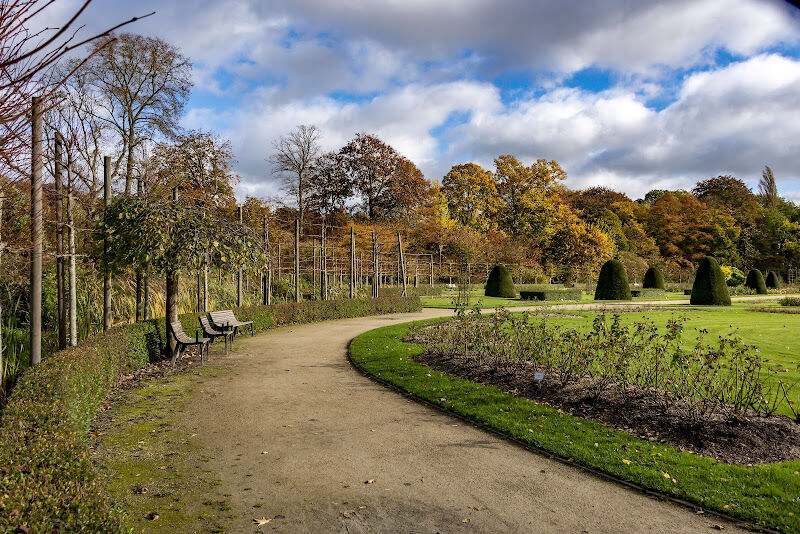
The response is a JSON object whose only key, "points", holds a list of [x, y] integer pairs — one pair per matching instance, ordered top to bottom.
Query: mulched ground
{"points": [[757, 439]]}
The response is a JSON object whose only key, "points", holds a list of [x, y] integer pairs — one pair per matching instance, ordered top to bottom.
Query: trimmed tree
{"points": [[653, 279], [755, 280], [773, 280], [500, 283], [612, 284], [709, 287]]}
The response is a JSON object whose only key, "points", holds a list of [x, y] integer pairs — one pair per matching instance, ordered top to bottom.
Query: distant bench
{"points": [[225, 319], [182, 342]]}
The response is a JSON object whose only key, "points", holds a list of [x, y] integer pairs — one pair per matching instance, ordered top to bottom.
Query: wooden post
{"points": [[36, 234], [401, 255], [279, 260], [297, 260], [352, 262], [315, 266], [106, 269], [71, 271], [239, 272], [375, 272], [268, 277], [139, 278], [205, 280], [431, 281], [323, 289], [1, 304], [62, 309]]}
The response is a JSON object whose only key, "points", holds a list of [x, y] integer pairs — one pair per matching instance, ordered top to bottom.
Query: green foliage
{"points": [[733, 276], [653, 279], [755, 281], [773, 281], [500, 283], [612, 284], [709, 287], [420, 291], [552, 294], [790, 301], [47, 479]]}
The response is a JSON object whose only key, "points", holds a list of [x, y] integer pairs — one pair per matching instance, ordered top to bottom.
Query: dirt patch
{"points": [[758, 439]]}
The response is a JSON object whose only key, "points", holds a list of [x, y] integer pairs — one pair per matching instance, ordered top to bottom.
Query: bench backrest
{"points": [[223, 317], [207, 326], [178, 332]]}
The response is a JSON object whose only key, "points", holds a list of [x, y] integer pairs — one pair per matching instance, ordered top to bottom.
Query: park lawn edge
{"points": [[48, 479], [760, 495]]}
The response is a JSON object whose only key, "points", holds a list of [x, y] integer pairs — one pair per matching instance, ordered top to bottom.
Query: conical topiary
{"points": [[653, 279], [755, 280], [773, 280], [500, 283], [612, 284], [709, 287]]}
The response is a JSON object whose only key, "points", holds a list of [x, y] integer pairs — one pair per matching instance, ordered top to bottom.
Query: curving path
{"points": [[328, 430]]}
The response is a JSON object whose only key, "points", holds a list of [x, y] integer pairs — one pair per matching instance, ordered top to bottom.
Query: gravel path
{"points": [[345, 454]]}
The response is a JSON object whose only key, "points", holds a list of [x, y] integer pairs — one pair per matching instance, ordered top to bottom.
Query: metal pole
{"points": [[297, 260], [402, 263], [324, 264], [374, 265], [315, 266], [107, 270], [239, 273], [267, 291]]}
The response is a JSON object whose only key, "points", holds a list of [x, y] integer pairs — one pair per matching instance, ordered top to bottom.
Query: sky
{"points": [[629, 94]]}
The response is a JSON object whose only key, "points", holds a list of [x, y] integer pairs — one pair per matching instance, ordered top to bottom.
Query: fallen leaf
{"points": [[264, 452], [626, 462], [665, 475], [370, 481], [346, 514], [152, 516], [466, 520], [261, 522]]}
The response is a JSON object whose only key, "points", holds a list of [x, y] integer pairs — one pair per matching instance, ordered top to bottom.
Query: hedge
{"points": [[653, 279], [755, 280], [773, 281], [500, 284], [612, 284], [709, 287], [423, 290], [648, 292], [552, 294], [790, 301], [48, 482]]}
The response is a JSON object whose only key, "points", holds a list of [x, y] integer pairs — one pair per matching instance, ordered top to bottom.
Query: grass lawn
{"points": [[446, 301], [766, 495]]}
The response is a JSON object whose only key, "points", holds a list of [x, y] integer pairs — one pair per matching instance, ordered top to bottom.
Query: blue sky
{"points": [[630, 95]]}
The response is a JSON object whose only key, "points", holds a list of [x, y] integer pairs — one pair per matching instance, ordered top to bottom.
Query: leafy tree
{"points": [[329, 187], [768, 188], [471, 196], [593, 201], [681, 226]]}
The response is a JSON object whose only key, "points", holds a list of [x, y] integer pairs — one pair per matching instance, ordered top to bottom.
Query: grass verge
{"points": [[764, 495]]}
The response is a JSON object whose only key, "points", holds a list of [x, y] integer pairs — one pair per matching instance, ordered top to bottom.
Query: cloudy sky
{"points": [[630, 94]]}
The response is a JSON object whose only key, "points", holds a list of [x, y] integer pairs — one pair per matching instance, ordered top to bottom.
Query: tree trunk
{"points": [[106, 267], [73, 291], [62, 309], [171, 311]]}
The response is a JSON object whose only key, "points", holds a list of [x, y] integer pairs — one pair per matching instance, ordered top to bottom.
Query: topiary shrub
{"points": [[653, 279], [755, 280], [773, 281], [500, 283], [612, 284], [709, 287]]}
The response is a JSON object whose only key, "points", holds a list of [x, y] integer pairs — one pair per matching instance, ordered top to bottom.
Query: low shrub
{"points": [[653, 279], [755, 281], [773, 281], [500, 284], [612, 284], [538, 287], [709, 287], [424, 290], [648, 292], [552, 295], [790, 301], [48, 482]]}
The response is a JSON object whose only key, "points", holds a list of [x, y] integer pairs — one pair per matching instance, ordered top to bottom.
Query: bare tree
{"points": [[141, 87], [293, 159]]}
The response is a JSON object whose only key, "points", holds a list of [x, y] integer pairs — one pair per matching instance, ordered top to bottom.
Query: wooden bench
{"points": [[225, 319], [211, 332], [183, 341]]}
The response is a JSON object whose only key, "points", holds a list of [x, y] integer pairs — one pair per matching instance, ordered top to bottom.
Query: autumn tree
{"points": [[141, 86], [293, 159], [200, 165], [329, 186], [471, 196]]}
